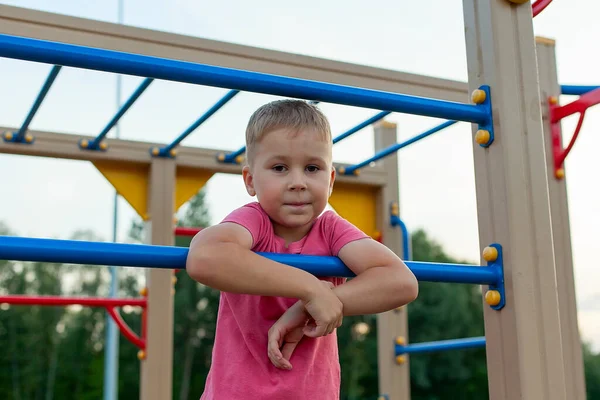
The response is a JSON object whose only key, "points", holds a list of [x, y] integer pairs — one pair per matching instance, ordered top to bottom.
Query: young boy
{"points": [[275, 336]]}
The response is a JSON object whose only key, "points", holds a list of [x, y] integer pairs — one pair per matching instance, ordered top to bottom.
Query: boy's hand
{"points": [[326, 310], [289, 329], [285, 334]]}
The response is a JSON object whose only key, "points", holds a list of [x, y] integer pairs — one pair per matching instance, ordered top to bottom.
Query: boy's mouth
{"points": [[297, 204]]}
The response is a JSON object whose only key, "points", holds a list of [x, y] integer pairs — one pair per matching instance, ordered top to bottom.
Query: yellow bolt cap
{"points": [[478, 96], [553, 100], [8, 135], [482, 136], [28, 138], [84, 143], [103, 146], [155, 151], [173, 152], [221, 157], [239, 159], [342, 170], [356, 172], [560, 173], [490, 254], [174, 280], [144, 291], [492, 297], [400, 340], [141, 355], [400, 359]]}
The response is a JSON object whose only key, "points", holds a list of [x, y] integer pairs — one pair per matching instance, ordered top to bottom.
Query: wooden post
{"points": [[524, 345], [573, 361], [157, 367], [394, 378]]}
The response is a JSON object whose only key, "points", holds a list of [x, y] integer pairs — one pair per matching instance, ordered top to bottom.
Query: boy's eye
{"points": [[279, 168], [312, 168]]}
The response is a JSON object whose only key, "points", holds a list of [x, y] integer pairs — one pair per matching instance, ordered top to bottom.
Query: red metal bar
{"points": [[539, 6], [557, 113], [186, 231], [68, 301], [109, 304], [125, 330]]}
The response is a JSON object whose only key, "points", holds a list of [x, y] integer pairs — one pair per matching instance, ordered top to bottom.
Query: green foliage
{"points": [[58, 353], [592, 372]]}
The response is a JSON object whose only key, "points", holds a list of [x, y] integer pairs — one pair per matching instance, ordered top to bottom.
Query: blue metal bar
{"points": [[181, 71], [577, 90], [138, 92], [230, 95], [38, 102], [360, 126], [393, 148], [231, 157], [396, 220], [153, 256], [452, 344]]}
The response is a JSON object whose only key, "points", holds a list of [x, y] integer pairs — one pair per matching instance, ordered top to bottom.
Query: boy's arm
{"points": [[220, 257], [383, 282]]}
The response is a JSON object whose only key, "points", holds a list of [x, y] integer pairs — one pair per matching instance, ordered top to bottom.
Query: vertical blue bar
{"points": [[228, 96], [38, 102], [121, 111], [360, 126], [395, 147], [405, 238]]}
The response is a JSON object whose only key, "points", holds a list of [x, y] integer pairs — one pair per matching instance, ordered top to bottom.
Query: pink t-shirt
{"points": [[240, 368]]}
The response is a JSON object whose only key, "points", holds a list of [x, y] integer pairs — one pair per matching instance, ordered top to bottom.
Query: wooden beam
{"points": [[54, 27], [66, 146], [524, 345], [573, 361]]}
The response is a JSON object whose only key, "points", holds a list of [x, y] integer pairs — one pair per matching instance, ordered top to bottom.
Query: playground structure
{"points": [[532, 340]]}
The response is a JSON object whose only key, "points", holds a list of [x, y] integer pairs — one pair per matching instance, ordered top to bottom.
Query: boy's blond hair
{"points": [[294, 115]]}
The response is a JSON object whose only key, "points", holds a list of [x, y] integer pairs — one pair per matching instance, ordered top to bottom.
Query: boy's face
{"points": [[292, 176]]}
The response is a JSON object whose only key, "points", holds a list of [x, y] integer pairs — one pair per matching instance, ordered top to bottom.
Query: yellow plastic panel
{"points": [[130, 180], [189, 182], [357, 204]]}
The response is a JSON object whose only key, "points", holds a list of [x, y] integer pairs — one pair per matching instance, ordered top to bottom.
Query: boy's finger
{"points": [[287, 350], [274, 353]]}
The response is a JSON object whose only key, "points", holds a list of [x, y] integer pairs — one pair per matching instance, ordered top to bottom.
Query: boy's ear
{"points": [[248, 180], [332, 180]]}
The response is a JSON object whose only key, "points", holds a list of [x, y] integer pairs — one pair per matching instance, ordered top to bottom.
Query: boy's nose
{"points": [[297, 181]]}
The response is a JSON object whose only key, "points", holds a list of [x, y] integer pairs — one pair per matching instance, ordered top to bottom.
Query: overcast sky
{"points": [[54, 198]]}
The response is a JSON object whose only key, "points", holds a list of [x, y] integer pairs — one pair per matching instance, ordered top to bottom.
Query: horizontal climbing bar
{"points": [[180, 71], [577, 90], [360, 126], [95, 144], [394, 148], [165, 151], [170, 257], [70, 301], [441, 345]]}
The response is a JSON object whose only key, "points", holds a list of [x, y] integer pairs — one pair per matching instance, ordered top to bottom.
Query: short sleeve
{"points": [[253, 218], [340, 232]]}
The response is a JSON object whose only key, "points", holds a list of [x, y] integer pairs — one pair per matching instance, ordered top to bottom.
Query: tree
{"points": [[591, 363]]}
